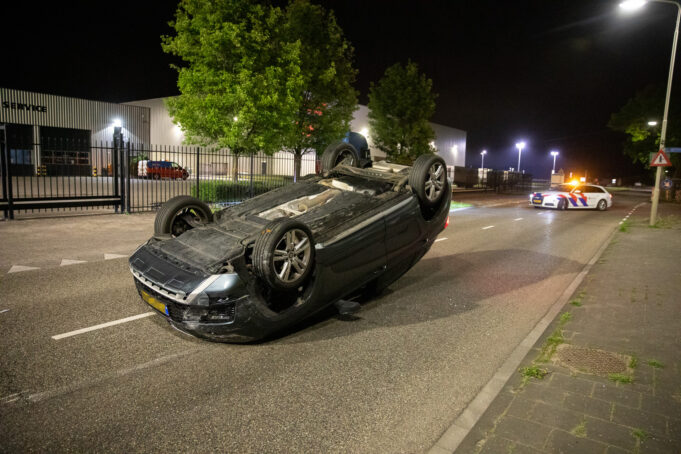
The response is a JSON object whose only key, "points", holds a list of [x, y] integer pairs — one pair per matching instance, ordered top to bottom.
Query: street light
{"points": [[630, 5], [652, 123], [519, 146], [554, 154], [482, 158]]}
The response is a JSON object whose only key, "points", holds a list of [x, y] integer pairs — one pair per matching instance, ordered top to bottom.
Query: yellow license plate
{"points": [[537, 201], [153, 302]]}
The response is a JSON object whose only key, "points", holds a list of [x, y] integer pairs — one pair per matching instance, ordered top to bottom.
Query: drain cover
{"points": [[591, 361]]}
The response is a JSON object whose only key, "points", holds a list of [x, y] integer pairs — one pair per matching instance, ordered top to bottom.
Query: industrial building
{"points": [[57, 134]]}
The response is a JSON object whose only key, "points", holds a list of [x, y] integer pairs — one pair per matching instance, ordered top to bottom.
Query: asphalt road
{"points": [[391, 380]]}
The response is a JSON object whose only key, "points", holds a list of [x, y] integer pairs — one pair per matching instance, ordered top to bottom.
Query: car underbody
{"points": [[367, 228]]}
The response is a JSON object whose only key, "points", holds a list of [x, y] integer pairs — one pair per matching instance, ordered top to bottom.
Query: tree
{"points": [[241, 82], [328, 98], [400, 106], [643, 139]]}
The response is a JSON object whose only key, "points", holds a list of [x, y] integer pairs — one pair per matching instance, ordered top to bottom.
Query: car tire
{"points": [[339, 153], [428, 179], [562, 205], [602, 205], [180, 214], [284, 253]]}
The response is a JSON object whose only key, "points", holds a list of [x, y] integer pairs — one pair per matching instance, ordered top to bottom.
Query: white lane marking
{"points": [[518, 219], [488, 227], [441, 239], [113, 256], [66, 262], [20, 268], [4, 310], [103, 325], [88, 383]]}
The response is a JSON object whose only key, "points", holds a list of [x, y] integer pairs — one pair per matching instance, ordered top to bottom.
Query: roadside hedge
{"points": [[229, 191]]}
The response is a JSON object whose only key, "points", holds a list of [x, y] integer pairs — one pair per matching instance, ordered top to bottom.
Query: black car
{"points": [[254, 269]]}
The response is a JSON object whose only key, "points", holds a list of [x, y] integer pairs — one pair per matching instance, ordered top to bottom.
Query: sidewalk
{"points": [[605, 377]]}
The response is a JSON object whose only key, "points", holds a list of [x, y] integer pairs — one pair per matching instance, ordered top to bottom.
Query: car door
{"points": [[594, 195], [579, 198]]}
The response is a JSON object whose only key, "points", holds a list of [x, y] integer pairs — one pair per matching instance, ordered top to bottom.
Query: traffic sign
{"points": [[660, 160], [667, 184]]}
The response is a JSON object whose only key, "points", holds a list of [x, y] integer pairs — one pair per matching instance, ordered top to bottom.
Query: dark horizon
{"points": [[548, 74]]}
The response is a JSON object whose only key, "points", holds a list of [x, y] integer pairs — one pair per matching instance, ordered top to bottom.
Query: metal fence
{"points": [[63, 174], [74, 174], [213, 175], [502, 181]]}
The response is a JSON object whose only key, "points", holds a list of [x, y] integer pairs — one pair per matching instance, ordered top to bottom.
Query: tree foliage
{"points": [[240, 83], [327, 100], [400, 107], [643, 139]]}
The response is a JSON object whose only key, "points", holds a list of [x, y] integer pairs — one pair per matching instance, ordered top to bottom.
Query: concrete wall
{"points": [[450, 142]]}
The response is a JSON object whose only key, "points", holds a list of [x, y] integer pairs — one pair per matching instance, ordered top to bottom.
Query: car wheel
{"points": [[339, 153], [156, 176], [428, 179], [561, 205], [602, 205], [180, 214], [284, 254]]}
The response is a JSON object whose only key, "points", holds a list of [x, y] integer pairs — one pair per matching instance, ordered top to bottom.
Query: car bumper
{"points": [[225, 319]]}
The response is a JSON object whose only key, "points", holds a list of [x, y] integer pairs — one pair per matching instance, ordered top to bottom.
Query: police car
{"points": [[571, 196]]}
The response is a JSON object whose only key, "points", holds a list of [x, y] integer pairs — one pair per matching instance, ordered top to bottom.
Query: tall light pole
{"points": [[631, 5], [519, 146], [554, 154], [482, 158]]}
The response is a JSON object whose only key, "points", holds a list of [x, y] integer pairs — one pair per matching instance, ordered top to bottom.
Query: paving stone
{"points": [[573, 384], [542, 393], [621, 396], [661, 405], [521, 407], [591, 407], [552, 415], [650, 422], [527, 432], [609, 433], [561, 442], [496, 445], [660, 445], [520, 448], [615, 450]]}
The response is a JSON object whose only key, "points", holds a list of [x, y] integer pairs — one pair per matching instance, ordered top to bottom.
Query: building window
{"points": [[65, 151]]}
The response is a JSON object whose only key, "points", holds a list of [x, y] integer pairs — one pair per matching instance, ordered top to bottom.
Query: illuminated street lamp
{"points": [[631, 5], [652, 123], [519, 146], [554, 154], [482, 158]]}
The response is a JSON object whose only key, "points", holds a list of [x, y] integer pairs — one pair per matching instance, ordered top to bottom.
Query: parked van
{"points": [[160, 169]]}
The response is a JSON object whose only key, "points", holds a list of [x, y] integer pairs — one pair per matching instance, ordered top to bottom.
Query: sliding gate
{"points": [[62, 173]]}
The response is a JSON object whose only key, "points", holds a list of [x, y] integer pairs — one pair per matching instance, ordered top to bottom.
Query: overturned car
{"points": [[252, 270]]}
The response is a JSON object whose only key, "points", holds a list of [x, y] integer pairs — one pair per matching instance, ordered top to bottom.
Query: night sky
{"points": [[548, 72]]}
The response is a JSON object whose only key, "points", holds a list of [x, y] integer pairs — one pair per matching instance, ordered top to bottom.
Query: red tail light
{"points": [[447, 222]]}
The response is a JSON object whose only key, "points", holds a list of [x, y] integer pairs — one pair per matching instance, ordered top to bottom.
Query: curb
{"points": [[464, 423]]}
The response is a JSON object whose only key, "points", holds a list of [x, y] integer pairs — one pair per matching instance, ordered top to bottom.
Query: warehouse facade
{"points": [[60, 135]]}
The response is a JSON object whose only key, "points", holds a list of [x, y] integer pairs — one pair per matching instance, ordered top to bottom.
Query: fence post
{"points": [[198, 160], [114, 168], [121, 174], [6, 177], [127, 178], [251, 188]]}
